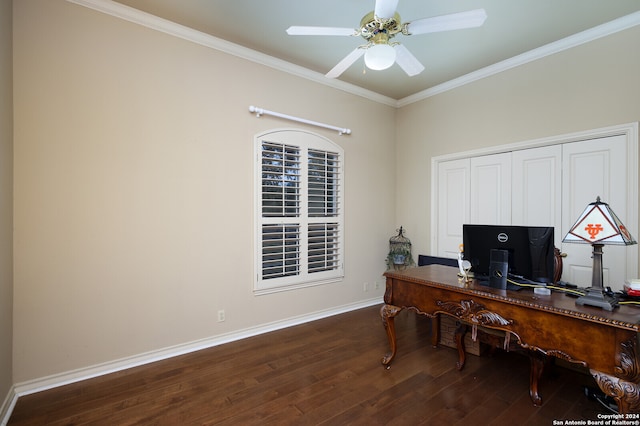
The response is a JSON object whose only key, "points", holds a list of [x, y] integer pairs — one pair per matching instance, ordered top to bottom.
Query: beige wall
{"points": [[588, 87], [133, 176], [134, 193], [6, 196]]}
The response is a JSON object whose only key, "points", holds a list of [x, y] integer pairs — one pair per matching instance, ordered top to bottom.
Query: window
{"points": [[299, 220]]}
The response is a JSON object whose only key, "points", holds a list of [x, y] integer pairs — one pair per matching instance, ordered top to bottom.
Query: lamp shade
{"points": [[380, 56], [598, 224]]}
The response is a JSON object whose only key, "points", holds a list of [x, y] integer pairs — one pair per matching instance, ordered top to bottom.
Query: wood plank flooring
{"points": [[326, 372]]}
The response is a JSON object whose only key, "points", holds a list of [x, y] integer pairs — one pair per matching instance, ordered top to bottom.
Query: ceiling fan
{"points": [[378, 29]]}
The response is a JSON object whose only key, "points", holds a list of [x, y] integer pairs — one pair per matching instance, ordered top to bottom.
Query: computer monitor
{"points": [[530, 249]]}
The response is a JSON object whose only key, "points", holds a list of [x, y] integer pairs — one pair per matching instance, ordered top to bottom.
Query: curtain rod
{"points": [[259, 111]]}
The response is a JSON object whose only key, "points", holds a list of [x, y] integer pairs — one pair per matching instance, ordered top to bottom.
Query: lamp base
{"points": [[596, 297]]}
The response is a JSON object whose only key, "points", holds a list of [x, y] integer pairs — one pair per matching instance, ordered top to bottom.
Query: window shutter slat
{"points": [[280, 180], [323, 183], [323, 247], [280, 250]]}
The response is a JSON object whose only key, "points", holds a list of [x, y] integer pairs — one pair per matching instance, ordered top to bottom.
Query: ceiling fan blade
{"points": [[385, 9], [454, 21], [331, 31], [407, 61], [345, 63]]}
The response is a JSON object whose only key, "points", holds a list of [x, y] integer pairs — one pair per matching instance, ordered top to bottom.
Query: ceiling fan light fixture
{"points": [[380, 57]]}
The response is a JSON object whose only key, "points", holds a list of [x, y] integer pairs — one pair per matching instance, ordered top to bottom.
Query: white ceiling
{"points": [[513, 27]]}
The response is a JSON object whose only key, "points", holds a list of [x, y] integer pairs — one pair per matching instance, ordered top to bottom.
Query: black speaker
{"points": [[498, 268]]}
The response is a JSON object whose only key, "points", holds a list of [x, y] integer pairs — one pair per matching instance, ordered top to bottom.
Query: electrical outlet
{"points": [[377, 284], [365, 287], [221, 315]]}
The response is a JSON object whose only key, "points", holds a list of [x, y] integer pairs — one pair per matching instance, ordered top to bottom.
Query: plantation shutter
{"points": [[324, 208], [300, 218]]}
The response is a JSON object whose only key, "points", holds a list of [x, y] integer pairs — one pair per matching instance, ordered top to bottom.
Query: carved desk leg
{"points": [[388, 312], [435, 330], [460, 332], [537, 367], [624, 387], [626, 394]]}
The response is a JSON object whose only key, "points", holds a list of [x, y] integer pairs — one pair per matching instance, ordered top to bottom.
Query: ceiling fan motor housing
{"points": [[376, 30]]}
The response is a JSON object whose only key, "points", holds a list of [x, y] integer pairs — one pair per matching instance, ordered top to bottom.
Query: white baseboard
{"points": [[49, 382], [7, 406]]}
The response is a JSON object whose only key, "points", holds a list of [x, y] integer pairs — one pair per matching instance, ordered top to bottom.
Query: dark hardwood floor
{"points": [[324, 372]]}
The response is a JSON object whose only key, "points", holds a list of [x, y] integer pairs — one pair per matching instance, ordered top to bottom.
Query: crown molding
{"points": [[127, 13], [136, 16], [572, 41]]}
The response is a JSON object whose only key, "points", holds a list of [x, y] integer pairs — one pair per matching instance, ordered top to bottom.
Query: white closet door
{"points": [[594, 168], [537, 188], [491, 189], [453, 205]]}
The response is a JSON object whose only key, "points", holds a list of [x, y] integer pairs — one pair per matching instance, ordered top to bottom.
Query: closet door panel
{"points": [[594, 168], [537, 188], [491, 189], [453, 205]]}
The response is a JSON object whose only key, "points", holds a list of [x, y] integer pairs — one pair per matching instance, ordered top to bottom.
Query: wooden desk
{"points": [[605, 342]]}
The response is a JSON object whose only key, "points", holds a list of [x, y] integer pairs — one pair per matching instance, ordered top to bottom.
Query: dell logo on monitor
{"points": [[502, 237]]}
